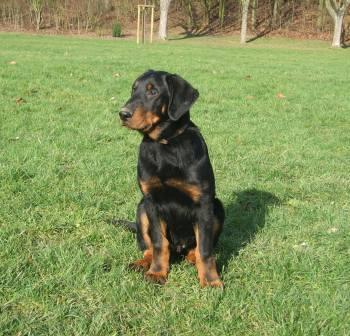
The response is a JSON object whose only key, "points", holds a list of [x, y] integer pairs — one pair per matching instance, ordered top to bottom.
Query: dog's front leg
{"points": [[204, 258], [159, 268]]}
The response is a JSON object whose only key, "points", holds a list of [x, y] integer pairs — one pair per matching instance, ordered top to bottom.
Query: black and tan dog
{"points": [[179, 212]]}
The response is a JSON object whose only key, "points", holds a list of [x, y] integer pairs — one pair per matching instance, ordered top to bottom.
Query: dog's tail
{"points": [[130, 226]]}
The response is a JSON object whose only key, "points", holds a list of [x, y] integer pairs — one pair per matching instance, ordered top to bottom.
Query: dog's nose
{"points": [[125, 114]]}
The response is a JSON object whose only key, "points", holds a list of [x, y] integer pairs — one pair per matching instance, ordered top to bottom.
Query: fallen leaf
{"points": [[280, 95], [250, 97], [20, 100], [14, 139], [295, 203], [332, 230], [301, 247]]}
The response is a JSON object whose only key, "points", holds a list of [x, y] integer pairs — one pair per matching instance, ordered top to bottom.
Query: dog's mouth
{"points": [[140, 119], [140, 128]]}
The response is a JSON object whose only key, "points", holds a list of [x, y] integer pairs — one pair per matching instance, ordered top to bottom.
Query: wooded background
{"points": [[296, 18]]}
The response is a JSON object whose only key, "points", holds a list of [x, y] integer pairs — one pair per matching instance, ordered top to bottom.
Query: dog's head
{"points": [[157, 98]]}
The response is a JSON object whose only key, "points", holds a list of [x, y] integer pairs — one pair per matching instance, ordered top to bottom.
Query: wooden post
{"points": [[141, 16], [152, 20], [144, 22], [138, 25]]}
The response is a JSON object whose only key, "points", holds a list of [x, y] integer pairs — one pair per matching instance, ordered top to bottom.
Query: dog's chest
{"points": [[163, 161], [163, 172]]}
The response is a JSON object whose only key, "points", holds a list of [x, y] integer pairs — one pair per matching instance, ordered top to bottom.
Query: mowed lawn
{"points": [[276, 118]]}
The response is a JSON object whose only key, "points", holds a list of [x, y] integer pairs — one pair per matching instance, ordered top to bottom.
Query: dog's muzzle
{"points": [[125, 114]]}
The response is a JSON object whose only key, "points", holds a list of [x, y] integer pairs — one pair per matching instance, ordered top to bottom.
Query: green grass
{"points": [[276, 117]]}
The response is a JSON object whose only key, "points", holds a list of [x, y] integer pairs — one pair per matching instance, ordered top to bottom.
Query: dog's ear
{"points": [[148, 72], [181, 96]]}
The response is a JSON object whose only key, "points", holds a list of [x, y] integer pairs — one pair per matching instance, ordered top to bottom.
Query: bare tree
{"points": [[245, 7], [37, 8], [254, 10], [337, 10], [222, 12], [275, 12], [320, 17], [163, 21]]}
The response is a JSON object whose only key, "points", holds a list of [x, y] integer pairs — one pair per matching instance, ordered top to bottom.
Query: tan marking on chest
{"points": [[154, 134], [152, 183], [191, 190]]}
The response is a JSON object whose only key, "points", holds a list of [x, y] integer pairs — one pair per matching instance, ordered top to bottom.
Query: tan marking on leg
{"points": [[191, 190], [145, 230], [144, 263], [199, 263], [159, 269], [207, 273]]}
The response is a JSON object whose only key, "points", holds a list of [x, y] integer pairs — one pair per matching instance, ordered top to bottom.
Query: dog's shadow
{"points": [[244, 218]]}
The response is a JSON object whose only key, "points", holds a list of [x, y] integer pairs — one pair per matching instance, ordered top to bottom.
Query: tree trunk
{"points": [[37, 7], [207, 7], [245, 7], [254, 7], [337, 10], [222, 12], [275, 13], [320, 17], [38, 19], [163, 20], [191, 23], [338, 24]]}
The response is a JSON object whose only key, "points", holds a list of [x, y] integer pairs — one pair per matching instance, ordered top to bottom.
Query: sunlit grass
{"points": [[276, 117]]}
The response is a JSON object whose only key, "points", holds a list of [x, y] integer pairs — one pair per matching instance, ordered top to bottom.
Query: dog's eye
{"points": [[152, 92]]}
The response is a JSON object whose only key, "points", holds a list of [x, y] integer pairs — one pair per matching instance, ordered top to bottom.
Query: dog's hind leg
{"points": [[219, 218], [207, 230], [143, 239]]}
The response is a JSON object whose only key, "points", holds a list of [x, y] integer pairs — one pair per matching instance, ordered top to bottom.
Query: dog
{"points": [[179, 213]]}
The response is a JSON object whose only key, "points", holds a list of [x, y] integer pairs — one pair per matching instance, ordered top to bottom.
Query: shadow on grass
{"points": [[190, 34], [259, 35], [244, 219]]}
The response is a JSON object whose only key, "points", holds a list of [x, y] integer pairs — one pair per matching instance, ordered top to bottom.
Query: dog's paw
{"points": [[191, 257], [140, 265], [156, 277], [217, 283]]}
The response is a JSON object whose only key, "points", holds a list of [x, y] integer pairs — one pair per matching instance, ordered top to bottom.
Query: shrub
{"points": [[117, 30]]}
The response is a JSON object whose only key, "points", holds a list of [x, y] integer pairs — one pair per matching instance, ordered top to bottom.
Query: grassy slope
{"points": [[67, 167]]}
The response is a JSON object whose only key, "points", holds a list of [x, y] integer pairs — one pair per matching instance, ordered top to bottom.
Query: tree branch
{"points": [[331, 9]]}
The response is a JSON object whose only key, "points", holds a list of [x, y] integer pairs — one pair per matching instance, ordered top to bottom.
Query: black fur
{"points": [[174, 170]]}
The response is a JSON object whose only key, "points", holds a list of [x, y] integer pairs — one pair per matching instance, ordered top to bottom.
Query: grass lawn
{"points": [[276, 118]]}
